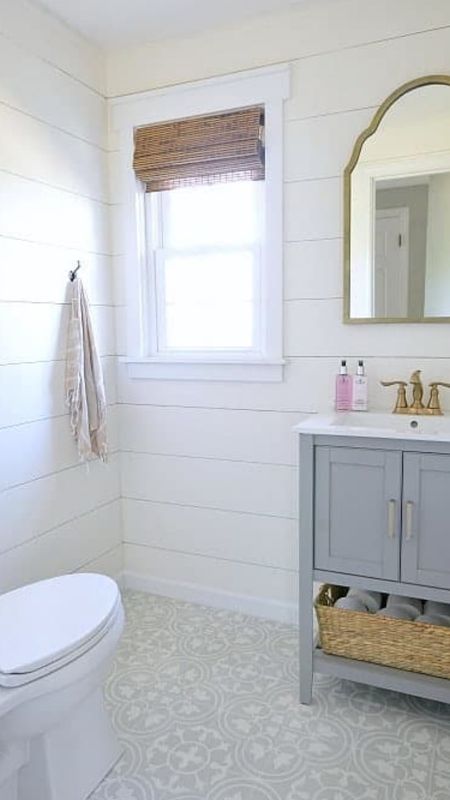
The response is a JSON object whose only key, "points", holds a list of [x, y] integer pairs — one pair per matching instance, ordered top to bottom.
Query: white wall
{"points": [[438, 250], [208, 469], [55, 516]]}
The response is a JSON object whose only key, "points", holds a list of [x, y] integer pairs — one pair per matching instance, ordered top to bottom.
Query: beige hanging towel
{"points": [[85, 390]]}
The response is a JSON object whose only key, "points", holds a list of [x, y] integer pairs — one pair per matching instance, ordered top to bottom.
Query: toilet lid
{"points": [[45, 621]]}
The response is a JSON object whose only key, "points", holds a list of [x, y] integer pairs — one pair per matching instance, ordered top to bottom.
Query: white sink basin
{"points": [[380, 426]]}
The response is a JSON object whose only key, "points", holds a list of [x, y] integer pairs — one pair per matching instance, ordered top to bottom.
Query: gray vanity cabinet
{"points": [[357, 511], [374, 514], [426, 520]]}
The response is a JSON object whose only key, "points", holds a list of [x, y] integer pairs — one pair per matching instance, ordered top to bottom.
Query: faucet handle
{"points": [[401, 404], [434, 404]]}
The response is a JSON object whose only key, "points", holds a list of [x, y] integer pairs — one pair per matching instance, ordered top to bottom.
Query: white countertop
{"points": [[378, 426]]}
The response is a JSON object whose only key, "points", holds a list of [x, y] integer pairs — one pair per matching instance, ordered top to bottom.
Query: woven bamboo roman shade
{"points": [[198, 150]]}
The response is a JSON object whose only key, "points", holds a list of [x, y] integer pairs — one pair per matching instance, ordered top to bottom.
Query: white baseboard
{"points": [[217, 598]]}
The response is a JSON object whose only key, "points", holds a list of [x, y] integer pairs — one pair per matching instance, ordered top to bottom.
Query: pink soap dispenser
{"points": [[344, 384]]}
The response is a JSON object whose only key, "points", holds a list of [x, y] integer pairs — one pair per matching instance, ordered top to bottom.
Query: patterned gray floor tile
{"points": [[205, 704]]}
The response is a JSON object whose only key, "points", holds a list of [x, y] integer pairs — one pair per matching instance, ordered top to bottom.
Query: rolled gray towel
{"points": [[371, 600], [412, 603], [351, 604], [433, 607], [397, 612], [434, 619]]}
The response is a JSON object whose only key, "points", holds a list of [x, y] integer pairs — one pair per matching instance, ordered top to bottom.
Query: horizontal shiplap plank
{"points": [[306, 29], [45, 36], [363, 76], [37, 88], [321, 147], [38, 151], [117, 188], [313, 209], [39, 213], [118, 220], [313, 269], [38, 273], [314, 327], [38, 332], [121, 337], [320, 375], [308, 386], [38, 390], [299, 392], [295, 393], [209, 433], [40, 448], [35, 449], [235, 486], [33, 508], [247, 538], [79, 542], [63, 550], [109, 563], [16, 567], [211, 574]]}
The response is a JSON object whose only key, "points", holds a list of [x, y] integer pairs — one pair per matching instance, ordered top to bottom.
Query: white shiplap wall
{"points": [[208, 469], [55, 516]]}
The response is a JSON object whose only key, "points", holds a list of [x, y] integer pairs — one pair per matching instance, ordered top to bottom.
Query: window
{"points": [[200, 228], [205, 258]]}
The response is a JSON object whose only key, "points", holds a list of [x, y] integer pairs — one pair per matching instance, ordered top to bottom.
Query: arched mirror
{"points": [[397, 210]]}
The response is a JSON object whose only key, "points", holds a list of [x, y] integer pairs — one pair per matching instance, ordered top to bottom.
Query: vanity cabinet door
{"points": [[358, 511], [426, 520]]}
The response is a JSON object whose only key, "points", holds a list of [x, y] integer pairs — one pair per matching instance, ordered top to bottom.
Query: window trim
{"points": [[267, 86]]}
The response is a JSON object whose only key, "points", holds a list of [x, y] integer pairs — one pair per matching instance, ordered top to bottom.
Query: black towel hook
{"points": [[73, 272]]}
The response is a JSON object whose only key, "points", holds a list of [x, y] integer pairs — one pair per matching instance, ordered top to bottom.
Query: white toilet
{"points": [[57, 641]]}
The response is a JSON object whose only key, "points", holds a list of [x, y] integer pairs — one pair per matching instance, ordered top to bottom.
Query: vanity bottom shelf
{"points": [[397, 680]]}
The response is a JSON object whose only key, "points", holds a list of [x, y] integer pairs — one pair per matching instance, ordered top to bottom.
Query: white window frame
{"points": [[268, 87], [154, 210]]}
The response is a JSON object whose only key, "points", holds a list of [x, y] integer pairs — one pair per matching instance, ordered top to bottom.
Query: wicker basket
{"points": [[413, 646]]}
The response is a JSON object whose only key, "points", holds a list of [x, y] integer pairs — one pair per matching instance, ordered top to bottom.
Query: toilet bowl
{"points": [[57, 641]]}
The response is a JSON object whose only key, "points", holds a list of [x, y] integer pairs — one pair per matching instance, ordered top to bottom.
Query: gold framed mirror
{"points": [[397, 209]]}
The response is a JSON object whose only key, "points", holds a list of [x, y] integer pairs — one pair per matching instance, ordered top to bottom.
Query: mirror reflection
{"points": [[399, 226]]}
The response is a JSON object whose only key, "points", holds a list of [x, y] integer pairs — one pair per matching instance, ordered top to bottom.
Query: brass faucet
{"points": [[401, 404], [434, 405], [417, 407]]}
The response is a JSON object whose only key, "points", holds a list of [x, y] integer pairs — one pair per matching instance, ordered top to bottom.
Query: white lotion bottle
{"points": [[360, 395]]}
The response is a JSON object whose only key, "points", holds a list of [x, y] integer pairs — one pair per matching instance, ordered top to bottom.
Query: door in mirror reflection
{"points": [[391, 262]]}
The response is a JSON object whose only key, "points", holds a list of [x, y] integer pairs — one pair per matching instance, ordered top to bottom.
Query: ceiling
{"points": [[119, 23]]}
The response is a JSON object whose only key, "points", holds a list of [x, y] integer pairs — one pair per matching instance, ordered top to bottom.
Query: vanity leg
{"points": [[306, 534], [306, 640]]}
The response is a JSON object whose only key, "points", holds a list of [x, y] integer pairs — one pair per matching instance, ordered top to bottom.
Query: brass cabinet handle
{"points": [[392, 508], [409, 520]]}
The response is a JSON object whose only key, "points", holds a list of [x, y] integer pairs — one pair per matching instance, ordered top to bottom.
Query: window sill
{"points": [[248, 371]]}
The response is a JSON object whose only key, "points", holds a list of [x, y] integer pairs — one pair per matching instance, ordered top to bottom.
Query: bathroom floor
{"points": [[205, 704]]}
